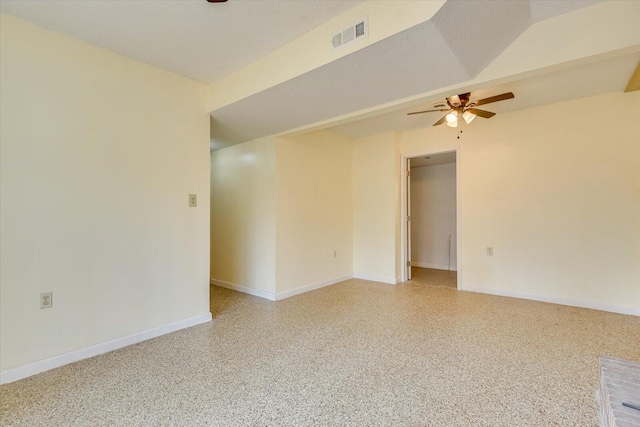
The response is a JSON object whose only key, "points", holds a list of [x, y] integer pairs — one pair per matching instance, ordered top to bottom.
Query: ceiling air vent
{"points": [[349, 35]]}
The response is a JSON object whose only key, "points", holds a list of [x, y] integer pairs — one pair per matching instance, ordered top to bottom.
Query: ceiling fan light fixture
{"points": [[460, 106], [468, 116], [452, 117]]}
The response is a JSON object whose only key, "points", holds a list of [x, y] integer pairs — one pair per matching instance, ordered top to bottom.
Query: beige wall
{"points": [[98, 155], [556, 191], [559, 206], [279, 210], [314, 210], [243, 215], [376, 234]]}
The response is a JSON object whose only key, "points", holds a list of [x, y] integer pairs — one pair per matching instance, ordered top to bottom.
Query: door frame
{"points": [[404, 197]]}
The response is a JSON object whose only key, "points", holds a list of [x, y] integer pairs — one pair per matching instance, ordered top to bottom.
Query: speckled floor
{"points": [[429, 276], [356, 353]]}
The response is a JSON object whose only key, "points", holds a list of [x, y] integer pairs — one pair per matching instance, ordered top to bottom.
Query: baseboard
{"points": [[433, 266], [388, 280], [311, 287], [251, 291], [281, 295], [634, 311], [25, 371]]}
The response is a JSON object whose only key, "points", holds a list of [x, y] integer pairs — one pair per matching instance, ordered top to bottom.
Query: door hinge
{"points": [[408, 172], [408, 218], [408, 263]]}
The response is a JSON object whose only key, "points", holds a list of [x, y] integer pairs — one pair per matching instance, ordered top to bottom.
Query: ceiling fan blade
{"points": [[216, 1], [634, 81], [496, 98], [427, 111], [481, 113], [441, 121]]}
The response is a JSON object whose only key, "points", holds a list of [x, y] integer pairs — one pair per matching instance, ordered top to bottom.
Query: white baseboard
{"points": [[434, 266], [388, 280], [311, 287], [251, 291], [280, 295], [635, 311], [15, 374]]}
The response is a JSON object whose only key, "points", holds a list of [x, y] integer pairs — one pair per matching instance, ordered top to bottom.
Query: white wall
{"points": [[98, 155], [555, 191], [376, 205], [314, 210], [243, 215], [433, 216]]}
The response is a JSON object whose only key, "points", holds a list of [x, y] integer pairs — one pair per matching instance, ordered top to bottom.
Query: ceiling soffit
{"points": [[477, 32], [454, 46], [579, 81]]}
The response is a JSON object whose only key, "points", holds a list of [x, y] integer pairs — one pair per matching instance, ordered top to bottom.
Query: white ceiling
{"points": [[194, 38], [578, 82]]}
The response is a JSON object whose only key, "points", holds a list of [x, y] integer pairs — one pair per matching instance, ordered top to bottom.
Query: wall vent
{"points": [[351, 34]]}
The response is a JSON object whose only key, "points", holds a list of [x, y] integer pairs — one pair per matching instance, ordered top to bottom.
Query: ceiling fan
{"points": [[216, 1], [460, 106]]}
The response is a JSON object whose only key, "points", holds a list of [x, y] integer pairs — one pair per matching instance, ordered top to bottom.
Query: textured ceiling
{"points": [[190, 37], [454, 46], [577, 82], [433, 160]]}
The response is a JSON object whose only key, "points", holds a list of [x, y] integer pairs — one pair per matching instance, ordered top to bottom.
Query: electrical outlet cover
{"points": [[46, 299]]}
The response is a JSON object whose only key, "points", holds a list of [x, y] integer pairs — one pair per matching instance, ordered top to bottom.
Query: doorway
{"points": [[431, 228]]}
